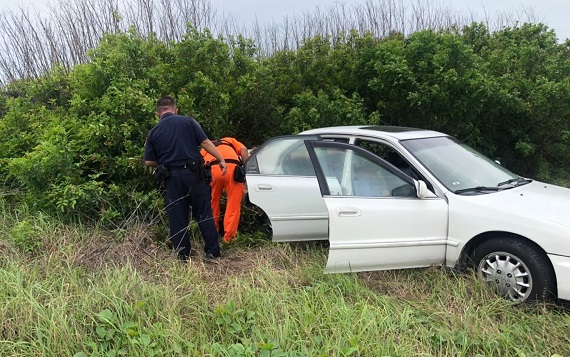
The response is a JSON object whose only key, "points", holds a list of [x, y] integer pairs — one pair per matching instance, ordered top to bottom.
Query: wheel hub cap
{"points": [[508, 274]]}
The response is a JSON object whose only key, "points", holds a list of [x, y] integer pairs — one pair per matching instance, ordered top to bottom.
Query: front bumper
{"points": [[561, 266]]}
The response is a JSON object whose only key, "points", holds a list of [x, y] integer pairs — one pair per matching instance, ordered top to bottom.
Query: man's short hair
{"points": [[165, 103]]}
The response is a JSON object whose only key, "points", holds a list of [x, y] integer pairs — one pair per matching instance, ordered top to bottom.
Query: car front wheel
{"points": [[516, 269]]}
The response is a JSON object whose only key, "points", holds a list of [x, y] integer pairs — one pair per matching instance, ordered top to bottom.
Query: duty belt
{"points": [[190, 163], [174, 168]]}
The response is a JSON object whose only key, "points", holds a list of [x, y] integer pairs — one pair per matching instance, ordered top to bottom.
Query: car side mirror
{"points": [[422, 191]]}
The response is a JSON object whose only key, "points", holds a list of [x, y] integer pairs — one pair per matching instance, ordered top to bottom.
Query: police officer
{"points": [[172, 145]]}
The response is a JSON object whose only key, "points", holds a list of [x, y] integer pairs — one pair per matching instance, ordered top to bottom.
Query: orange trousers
{"points": [[234, 192]]}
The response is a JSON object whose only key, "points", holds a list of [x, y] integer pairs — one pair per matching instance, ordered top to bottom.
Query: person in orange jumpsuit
{"points": [[231, 150]]}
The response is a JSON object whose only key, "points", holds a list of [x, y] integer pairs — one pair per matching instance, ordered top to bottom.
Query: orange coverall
{"points": [[230, 148]]}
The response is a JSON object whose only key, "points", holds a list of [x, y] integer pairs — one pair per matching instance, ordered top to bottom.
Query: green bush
{"points": [[72, 142]]}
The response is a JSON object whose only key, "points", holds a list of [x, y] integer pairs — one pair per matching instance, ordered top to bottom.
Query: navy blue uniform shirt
{"points": [[174, 140]]}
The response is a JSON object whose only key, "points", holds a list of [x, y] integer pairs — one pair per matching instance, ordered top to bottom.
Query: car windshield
{"points": [[459, 167]]}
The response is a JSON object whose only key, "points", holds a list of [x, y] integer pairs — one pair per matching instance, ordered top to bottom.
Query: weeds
{"points": [[88, 294], [114, 338]]}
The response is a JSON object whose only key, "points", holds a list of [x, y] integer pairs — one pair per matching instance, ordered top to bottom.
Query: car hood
{"points": [[537, 200]]}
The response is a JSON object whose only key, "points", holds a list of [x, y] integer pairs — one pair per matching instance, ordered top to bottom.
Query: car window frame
{"points": [[395, 149], [252, 165], [323, 184]]}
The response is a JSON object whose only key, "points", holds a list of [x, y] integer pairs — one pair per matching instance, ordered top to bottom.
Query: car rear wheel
{"points": [[267, 226], [516, 269]]}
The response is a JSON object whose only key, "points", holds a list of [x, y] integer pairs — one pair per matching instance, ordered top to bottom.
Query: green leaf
{"points": [[106, 316], [101, 332], [145, 340]]}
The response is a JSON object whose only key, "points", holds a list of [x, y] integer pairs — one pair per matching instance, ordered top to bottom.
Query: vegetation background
{"points": [[84, 266]]}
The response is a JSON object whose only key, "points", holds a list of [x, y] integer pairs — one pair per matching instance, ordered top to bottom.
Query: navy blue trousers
{"points": [[184, 189]]}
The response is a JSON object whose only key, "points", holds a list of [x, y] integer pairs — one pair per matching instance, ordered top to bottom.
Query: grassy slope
{"points": [[93, 292]]}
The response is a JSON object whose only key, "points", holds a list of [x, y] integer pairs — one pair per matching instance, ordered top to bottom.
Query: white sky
{"points": [[554, 13]]}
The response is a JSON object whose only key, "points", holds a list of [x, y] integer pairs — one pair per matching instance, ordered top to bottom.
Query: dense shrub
{"points": [[73, 141]]}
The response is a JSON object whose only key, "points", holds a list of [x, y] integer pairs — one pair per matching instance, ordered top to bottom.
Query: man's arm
{"points": [[212, 150], [244, 153], [149, 154]]}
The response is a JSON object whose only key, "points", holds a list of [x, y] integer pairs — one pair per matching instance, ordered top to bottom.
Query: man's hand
{"points": [[212, 150], [223, 167]]}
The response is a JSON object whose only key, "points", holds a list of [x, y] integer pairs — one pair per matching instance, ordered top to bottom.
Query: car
{"points": [[394, 197]]}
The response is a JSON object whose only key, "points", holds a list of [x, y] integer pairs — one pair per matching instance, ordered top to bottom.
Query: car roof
{"points": [[396, 132]]}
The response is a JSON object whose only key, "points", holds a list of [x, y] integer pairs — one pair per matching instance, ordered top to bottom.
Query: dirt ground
{"points": [[146, 255], [155, 259]]}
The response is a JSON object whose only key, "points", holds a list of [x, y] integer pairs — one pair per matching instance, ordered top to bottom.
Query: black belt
{"points": [[229, 161], [191, 162], [175, 168]]}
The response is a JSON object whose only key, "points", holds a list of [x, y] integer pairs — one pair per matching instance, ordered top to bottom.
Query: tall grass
{"points": [[72, 297]]}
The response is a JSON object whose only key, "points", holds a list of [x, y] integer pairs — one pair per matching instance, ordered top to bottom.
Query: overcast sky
{"points": [[553, 13]]}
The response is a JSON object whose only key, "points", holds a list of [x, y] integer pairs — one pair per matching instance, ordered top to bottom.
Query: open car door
{"points": [[281, 180], [376, 219]]}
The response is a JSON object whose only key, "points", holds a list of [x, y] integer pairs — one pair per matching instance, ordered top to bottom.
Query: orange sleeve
{"points": [[207, 157]]}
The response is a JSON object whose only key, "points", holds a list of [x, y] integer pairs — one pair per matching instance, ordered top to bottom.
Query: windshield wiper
{"points": [[515, 181], [477, 189]]}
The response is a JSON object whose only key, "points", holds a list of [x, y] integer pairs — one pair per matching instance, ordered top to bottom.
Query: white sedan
{"points": [[394, 197]]}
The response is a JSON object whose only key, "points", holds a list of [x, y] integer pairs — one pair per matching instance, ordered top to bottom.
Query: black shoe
{"points": [[186, 256], [183, 258], [210, 258]]}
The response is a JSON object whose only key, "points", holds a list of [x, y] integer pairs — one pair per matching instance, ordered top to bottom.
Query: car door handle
{"points": [[264, 187], [348, 212]]}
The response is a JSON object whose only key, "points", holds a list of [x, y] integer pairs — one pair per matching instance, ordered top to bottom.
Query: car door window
{"points": [[387, 153], [285, 155], [393, 157], [297, 162], [332, 164], [358, 174], [369, 179]]}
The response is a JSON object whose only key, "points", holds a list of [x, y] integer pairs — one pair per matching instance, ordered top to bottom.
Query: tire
{"points": [[267, 226], [516, 269]]}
